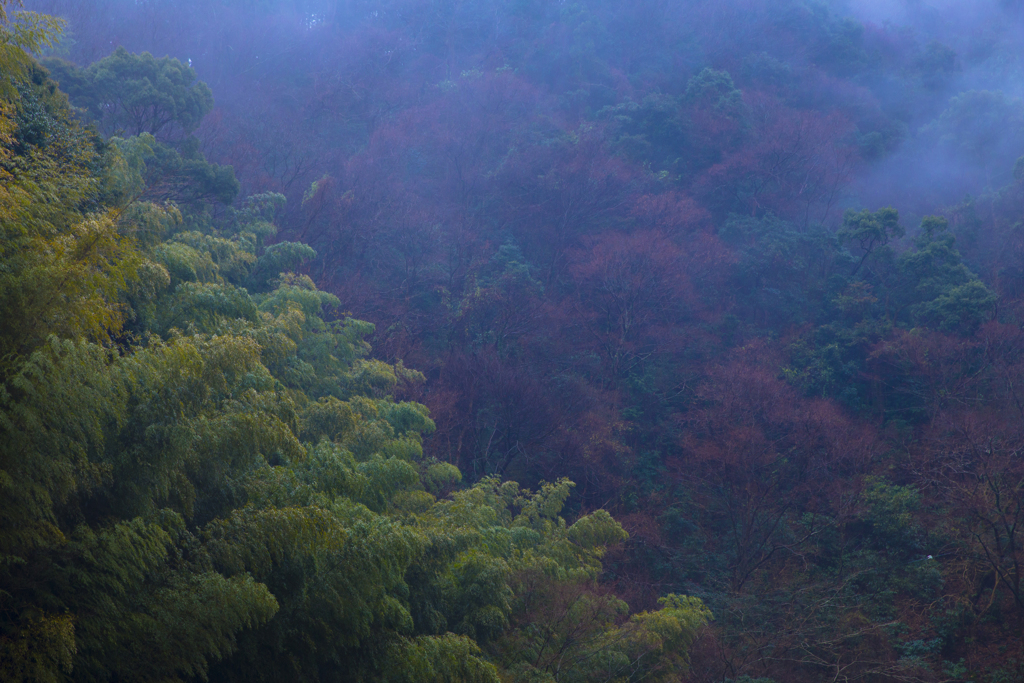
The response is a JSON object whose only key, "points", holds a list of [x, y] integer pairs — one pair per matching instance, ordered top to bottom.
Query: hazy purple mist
{"points": [[239, 49], [926, 173]]}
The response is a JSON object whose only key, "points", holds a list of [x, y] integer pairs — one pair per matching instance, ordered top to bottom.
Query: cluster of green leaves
{"points": [[130, 94], [156, 104], [850, 289], [203, 476]]}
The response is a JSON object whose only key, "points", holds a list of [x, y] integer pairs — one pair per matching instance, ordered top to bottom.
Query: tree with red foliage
{"points": [[795, 166], [555, 194], [676, 214], [628, 290], [500, 416], [760, 454], [968, 462], [972, 462], [772, 485]]}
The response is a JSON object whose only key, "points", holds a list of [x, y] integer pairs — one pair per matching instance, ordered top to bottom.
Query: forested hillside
{"points": [[693, 341]]}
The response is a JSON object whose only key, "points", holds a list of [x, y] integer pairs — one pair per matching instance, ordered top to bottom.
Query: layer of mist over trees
{"points": [[512, 340]]}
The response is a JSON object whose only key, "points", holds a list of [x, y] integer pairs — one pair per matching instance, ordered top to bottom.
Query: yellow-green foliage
{"points": [[22, 33], [65, 267], [230, 491], [43, 650], [450, 658]]}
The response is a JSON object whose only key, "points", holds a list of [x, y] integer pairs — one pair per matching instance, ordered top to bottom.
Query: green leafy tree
{"points": [[129, 94], [153, 106], [869, 231], [945, 294]]}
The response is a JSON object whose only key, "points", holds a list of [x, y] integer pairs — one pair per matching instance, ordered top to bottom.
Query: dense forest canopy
{"points": [[512, 340]]}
